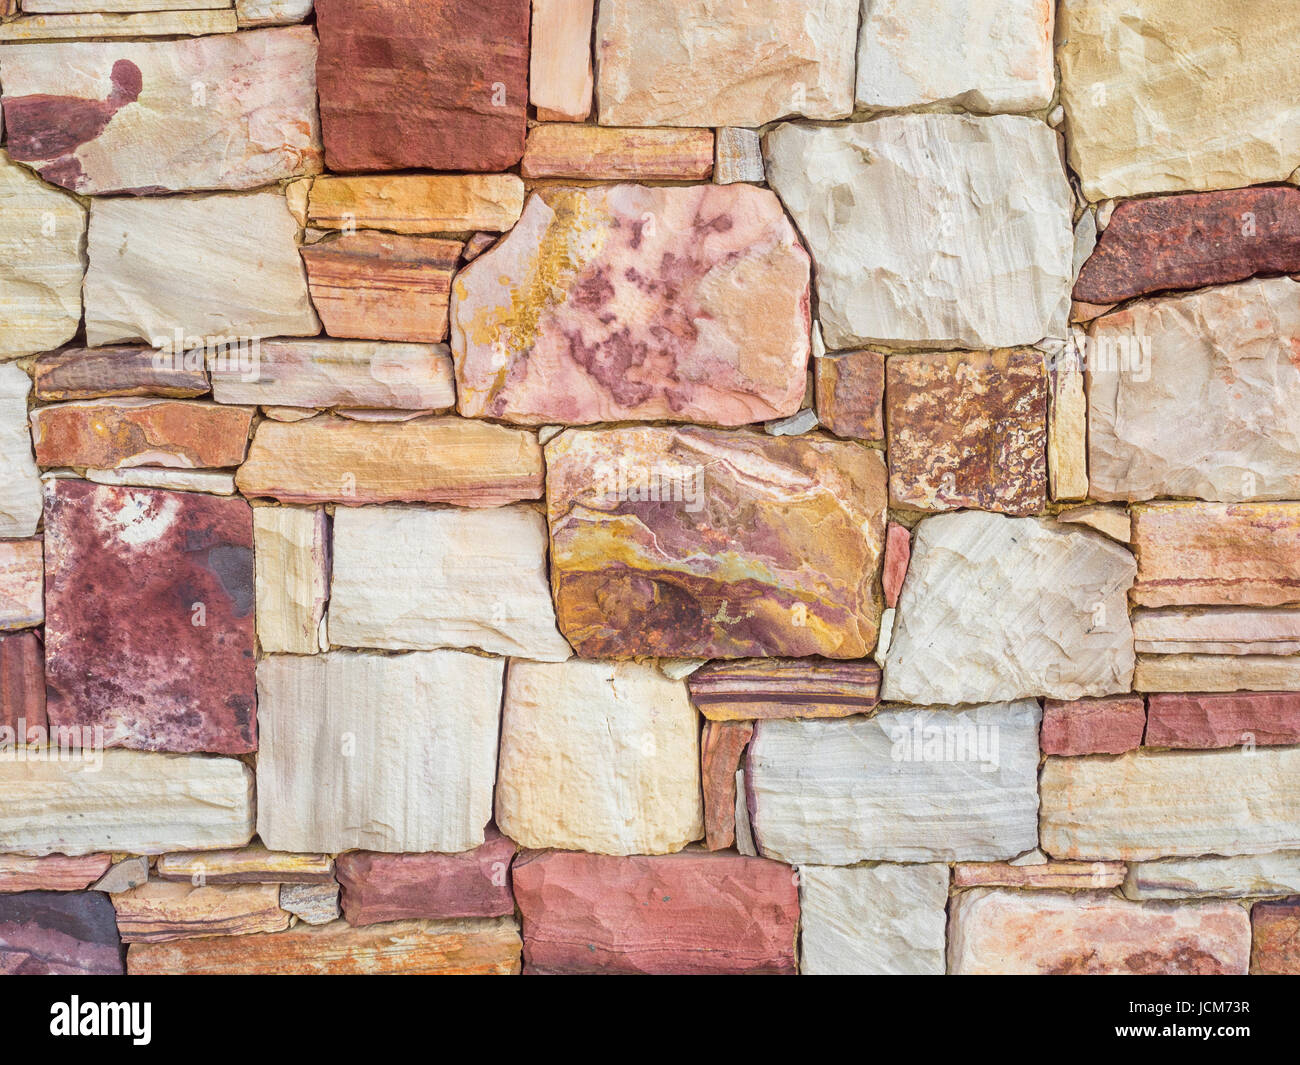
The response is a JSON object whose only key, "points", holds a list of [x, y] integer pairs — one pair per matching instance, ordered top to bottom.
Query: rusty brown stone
{"points": [[422, 84], [1191, 241], [380, 286], [98, 373], [850, 389], [968, 429], [113, 433], [22, 682], [758, 688], [721, 747], [1275, 937]]}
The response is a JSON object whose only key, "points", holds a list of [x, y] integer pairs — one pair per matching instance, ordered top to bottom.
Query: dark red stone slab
{"points": [[422, 84], [1192, 240], [149, 617], [22, 682], [1222, 719], [1112, 724], [396, 887], [687, 913], [53, 933]]}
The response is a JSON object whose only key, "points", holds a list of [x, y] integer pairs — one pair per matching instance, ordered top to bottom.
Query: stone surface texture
{"points": [[587, 312]]}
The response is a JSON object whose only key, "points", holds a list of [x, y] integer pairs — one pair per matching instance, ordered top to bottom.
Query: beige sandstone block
{"points": [[291, 552]]}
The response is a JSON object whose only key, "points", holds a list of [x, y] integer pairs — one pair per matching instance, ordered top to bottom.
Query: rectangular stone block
{"points": [[560, 73], [227, 111], [604, 153], [417, 203], [99, 373], [850, 389], [431, 460], [20, 482], [630, 510], [291, 549], [411, 578], [22, 584], [1216, 631], [149, 634], [1216, 673], [22, 684], [757, 688], [1227, 719], [1110, 725], [721, 746], [598, 756], [334, 774], [901, 786], [124, 801], [1146, 804], [253, 864], [53, 872], [1047, 876], [1243, 876], [378, 888], [158, 911], [679, 914], [873, 920], [1275, 928], [993, 932], [48, 934], [462, 948]]}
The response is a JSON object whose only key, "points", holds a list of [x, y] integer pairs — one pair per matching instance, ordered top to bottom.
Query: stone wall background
{"points": [[649, 486]]}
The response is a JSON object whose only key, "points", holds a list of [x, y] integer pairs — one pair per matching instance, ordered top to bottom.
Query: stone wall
{"points": [[657, 486]]}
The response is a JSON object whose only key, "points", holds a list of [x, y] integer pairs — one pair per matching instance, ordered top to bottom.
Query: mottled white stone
{"points": [[253, 13], [984, 55], [941, 230], [42, 260], [222, 265], [1198, 396], [214, 482], [20, 484], [408, 577], [1005, 608], [378, 752], [600, 757], [902, 786], [115, 800], [1145, 804], [1243, 876], [311, 903], [873, 920]]}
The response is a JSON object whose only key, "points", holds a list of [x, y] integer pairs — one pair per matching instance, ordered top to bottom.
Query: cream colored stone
{"points": [[253, 13], [138, 24], [984, 55], [716, 63], [560, 75], [1160, 97], [737, 156], [933, 230], [42, 232], [222, 265], [348, 373], [1197, 395], [1067, 430], [214, 482], [20, 483], [1106, 518], [291, 550], [406, 577], [22, 585], [1004, 608], [1216, 631], [1216, 673], [387, 753], [601, 757], [904, 785], [117, 800], [1145, 804], [1244, 876], [158, 912], [877, 920]]}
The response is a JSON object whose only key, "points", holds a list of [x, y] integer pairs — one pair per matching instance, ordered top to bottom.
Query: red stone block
{"points": [[422, 84], [1193, 240], [850, 390], [898, 553], [149, 617], [22, 682], [1226, 719], [1110, 725], [721, 746], [396, 887], [687, 913], [48, 933], [1275, 938]]}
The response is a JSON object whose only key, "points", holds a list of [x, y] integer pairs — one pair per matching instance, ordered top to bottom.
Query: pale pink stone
{"points": [[898, 553], [1108, 725]]}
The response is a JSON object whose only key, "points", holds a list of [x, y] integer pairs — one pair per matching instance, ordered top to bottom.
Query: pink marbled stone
{"points": [[624, 302], [898, 553]]}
